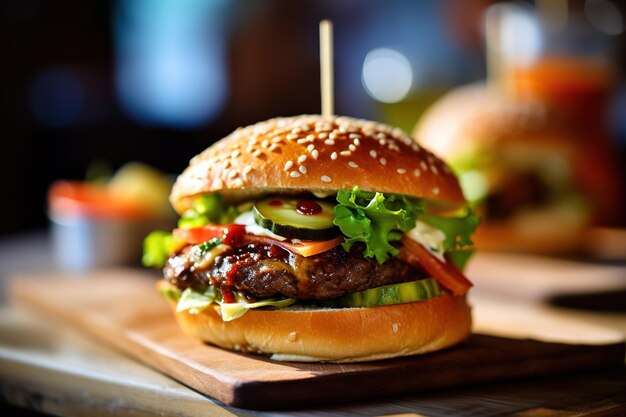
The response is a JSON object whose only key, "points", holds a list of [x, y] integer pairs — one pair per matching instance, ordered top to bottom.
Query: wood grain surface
{"points": [[122, 308]]}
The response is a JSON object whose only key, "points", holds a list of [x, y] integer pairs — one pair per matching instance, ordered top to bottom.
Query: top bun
{"points": [[475, 117], [318, 154]]}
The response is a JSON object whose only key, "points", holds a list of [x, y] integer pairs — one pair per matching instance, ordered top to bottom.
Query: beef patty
{"points": [[261, 271]]}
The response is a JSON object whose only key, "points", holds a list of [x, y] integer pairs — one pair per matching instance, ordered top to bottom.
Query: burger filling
{"points": [[358, 249]]}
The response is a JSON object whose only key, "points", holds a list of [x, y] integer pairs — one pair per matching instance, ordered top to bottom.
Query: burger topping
{"points": [[292, 218], [376, 220], [283, 248], [406, 292]]}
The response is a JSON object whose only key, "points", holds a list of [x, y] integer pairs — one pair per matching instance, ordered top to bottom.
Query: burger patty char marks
{"points": [[261, 271]]}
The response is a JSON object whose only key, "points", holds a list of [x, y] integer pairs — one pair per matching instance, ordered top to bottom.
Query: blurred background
{"points": [[93, 85]]}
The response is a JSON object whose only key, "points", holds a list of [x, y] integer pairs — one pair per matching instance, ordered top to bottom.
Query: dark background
{"points": [[64, 106]]}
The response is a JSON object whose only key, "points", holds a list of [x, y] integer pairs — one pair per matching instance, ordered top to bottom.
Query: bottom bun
{"points": [[336, 335]]}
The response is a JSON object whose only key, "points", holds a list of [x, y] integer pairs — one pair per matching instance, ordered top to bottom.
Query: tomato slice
{"points": [[231, 233], [446, 273]]}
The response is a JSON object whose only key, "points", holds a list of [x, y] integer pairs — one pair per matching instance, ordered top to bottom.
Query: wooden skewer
{"points": [[326, 67]]}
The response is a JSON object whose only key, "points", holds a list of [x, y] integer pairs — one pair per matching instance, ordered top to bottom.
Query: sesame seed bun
{"points": [[319, 154], [336, 335]]}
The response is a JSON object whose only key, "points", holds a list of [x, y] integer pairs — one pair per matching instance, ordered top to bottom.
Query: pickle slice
{"points": [[283, 217], [405, 292]]}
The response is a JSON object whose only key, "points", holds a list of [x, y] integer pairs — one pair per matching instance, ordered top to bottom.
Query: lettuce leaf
{"points": [[208, 208], [374, 219], [458, 230], [157, 247], [195, 301], [232, 311]]}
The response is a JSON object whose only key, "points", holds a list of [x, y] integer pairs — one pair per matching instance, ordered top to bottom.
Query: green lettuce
{"points": [[208, 208], [374, 219], [458, 231], [157, 247], [195, 301]]}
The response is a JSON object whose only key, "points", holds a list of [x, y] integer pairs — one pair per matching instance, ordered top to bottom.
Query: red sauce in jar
{"points": [[308, 207]]}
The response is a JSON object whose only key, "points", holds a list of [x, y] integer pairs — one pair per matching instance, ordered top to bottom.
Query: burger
{"points": [[521, 168], [321, 239]]}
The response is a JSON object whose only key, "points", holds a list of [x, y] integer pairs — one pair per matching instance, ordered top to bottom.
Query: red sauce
{"points": [[275, 203], [308, 207], [233, 234], [227, 287]]}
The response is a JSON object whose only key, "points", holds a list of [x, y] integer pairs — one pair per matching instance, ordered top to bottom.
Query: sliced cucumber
{"points": [[293, 218], [405, 292]]}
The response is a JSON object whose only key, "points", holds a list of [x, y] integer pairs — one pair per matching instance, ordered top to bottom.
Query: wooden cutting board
{"points": [[122, 308]]}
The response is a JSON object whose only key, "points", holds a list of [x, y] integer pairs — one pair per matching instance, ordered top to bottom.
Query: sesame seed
{"points": [[296, 130], [323, 135], [332, 135], [291, 136], [354, 136], [311, 137], [277, 139], [302, 141], [329, 142], [356, 142], [382, 142], [265, 143], [274, 147], [310, 147], [352, 147], [415, 147], [250, 148], [235, 153], [257, 153], [345, 153], [373, 153], [315, 154], [333, 156], [301, 159], [431, 159], [383, 161], [227, 164], [353, 164], [288, 165], [424, 166], [433, 168], [302, 169], [246, 170], [401, 170], [416, 172], [232, 174], [294, 174], [326, 178], [238, 182], [219, 183], [436, 190], [394, 327]]}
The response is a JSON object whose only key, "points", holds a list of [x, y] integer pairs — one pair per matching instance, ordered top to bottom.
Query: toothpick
{"points": [[326, 67]]}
